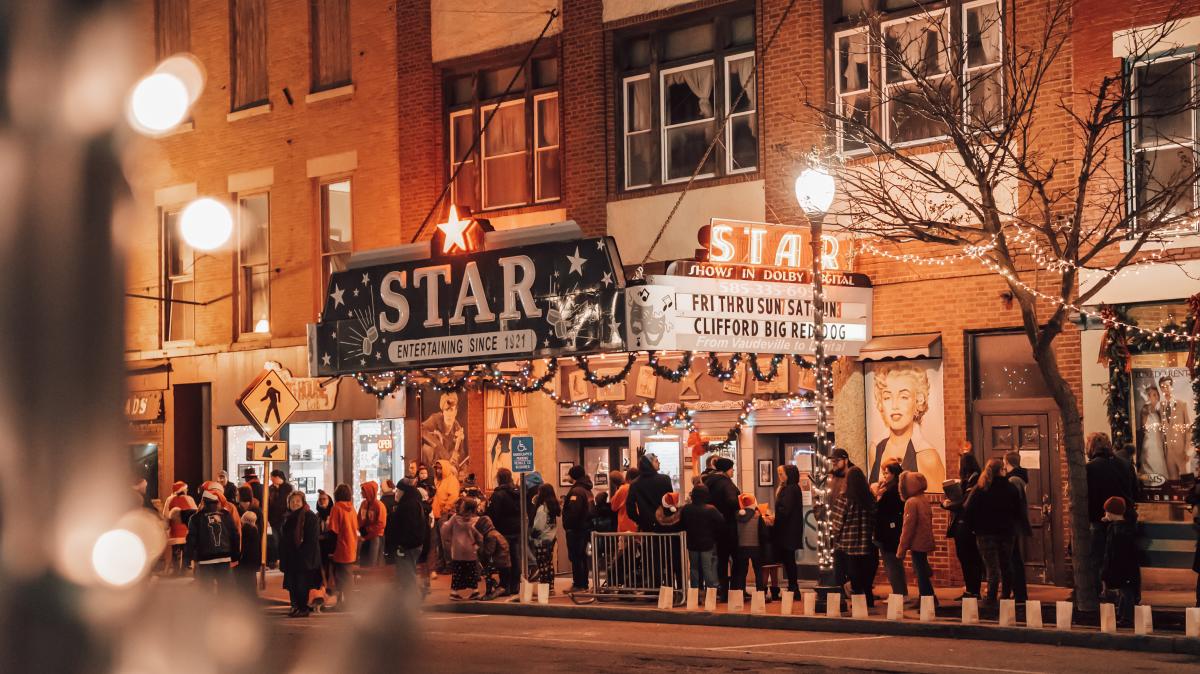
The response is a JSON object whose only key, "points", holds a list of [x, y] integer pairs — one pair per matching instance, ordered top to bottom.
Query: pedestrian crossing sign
{"points": [[268, 403], [267, 450]]}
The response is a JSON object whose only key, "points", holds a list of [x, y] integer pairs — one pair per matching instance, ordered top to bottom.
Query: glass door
{"points": [[378, 452], [310, 458]]}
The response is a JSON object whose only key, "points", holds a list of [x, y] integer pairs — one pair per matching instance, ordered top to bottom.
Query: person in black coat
{"points": [[1107, 476], [645, 494], [723, 495], [277, 499], [1193, 499], [504, 507], [889, 519], [577, 521], [787, 532], [404, 534], [966, 549], [300, 553], [251, 556], [1119, 568]]}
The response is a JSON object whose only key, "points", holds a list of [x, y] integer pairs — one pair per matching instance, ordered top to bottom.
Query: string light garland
{"points": [[716, 371], [672, 375], [758, 375], [396, 380], [605, 380], [529, 385]]}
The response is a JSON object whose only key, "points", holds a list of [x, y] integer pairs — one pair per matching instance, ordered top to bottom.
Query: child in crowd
{"points": [[751, 533], [462, 539], [494, 557], [1119, 569]]}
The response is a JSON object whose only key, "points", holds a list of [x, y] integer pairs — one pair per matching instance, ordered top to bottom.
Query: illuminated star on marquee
{"points": [[455, 231], [599, 244], [576, 263], [366, 279], [607, 279], [336, 295], [325, 360]]}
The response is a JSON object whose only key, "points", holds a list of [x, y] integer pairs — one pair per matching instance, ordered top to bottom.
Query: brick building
{"points": [[604, 127]]}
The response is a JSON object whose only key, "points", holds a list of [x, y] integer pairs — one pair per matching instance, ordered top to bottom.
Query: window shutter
{"points": [[172, 28], [330, 43], [249, 53]]}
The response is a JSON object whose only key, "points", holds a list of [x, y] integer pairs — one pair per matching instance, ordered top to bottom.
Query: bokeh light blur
{"points": [[159, 102], [206, 224], [119, 557]]}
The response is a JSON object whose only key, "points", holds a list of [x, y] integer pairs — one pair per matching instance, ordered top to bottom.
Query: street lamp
{"points": [[814, 191]]}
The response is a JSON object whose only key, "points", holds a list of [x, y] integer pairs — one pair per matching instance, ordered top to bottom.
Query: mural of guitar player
{"points": [[443, 432]]}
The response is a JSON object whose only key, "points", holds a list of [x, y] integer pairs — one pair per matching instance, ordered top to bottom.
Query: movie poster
{"points": [[1163, 407], [906, 418], [444, 428]]}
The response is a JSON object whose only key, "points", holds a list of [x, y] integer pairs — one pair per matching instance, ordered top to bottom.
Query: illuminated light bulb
{"points": [[188, 70], [159, 102], [815, 190], [206, 224], [119, 557]]}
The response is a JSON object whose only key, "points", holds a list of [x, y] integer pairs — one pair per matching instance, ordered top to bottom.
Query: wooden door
{"points": [[1028, 434]]}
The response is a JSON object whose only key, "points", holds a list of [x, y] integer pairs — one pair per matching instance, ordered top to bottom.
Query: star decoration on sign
{"points": [[455, 231], [599, 244], [576, 262], [366, 279], [607, 279], [356, 292], [336, 295], [546, 343], [378, 356], [326, 360], [362, 361]]}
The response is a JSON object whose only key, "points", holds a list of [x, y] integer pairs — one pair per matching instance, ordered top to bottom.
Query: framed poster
{"points": [[647, 382], [737, 383], [777, 385], [577, 386], [613, 392], [906, 418], [1162, 420], [443, 428], [564, 470], [766, 472]]}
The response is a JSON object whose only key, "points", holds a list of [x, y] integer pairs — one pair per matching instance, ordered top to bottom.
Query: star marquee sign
{"points": [[457, 235]]}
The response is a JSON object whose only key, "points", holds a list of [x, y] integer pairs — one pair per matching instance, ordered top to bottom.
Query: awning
{"points": [[896, 347]]}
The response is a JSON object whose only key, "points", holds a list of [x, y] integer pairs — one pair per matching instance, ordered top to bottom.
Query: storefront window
{"points": [[1005, 368], [505, 414], [236, 438], [667, 451], [378, 452], [144, 458], [310, 458]]}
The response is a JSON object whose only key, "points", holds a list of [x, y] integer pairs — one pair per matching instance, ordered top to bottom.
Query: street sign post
{"points": [[268, 403], [266, 450], [522, 453]]}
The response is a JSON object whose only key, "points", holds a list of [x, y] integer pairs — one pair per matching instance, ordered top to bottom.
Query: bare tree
{"points": [[1025, 172]]}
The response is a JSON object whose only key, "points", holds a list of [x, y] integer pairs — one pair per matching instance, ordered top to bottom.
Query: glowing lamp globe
{"points": [[159, 102], [815, 190], [206, 224], [119, 557]]}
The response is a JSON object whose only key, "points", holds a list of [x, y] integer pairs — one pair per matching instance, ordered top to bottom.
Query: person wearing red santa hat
{"points": [[176, 512]]}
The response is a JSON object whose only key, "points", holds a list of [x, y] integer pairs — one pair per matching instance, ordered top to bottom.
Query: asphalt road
{"points": [[444, 643]]}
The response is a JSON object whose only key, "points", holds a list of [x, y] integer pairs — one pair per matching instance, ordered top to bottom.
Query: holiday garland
{"points": [[720, 373], [676, 375], [758, 375], [607, 380]]}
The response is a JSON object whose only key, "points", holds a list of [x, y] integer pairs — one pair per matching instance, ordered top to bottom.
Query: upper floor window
{"points": [[172, 28], [330, 34], [248, 53], [894, 75], [677, 84], [1164, 136], [517, 159], [337, 231], [254, 264], [179, 282]]}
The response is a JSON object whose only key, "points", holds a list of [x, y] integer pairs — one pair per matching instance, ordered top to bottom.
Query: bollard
{"points": [[526, 592], [543, 593], [666, 597], [693, 598], [710, 599], [737, 602], [758, 602], [810, 603], [833, 605], [785, 606], [858, 606], [895, 607], [970, 611], [928, 612], [1008, 612], [1033, 613], [1062, 615], [1108, 618], [1143, 621], [1191, 622]]}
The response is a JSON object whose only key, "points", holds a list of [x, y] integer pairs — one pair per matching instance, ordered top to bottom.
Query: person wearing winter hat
{"points": [[723, 494], [227, 507], [176, 511], [667, 514], [372, 521], [577, 521], [702, 523], [343, 524], [750, 537], [212, 543], [251, 556], [1119, 568]]}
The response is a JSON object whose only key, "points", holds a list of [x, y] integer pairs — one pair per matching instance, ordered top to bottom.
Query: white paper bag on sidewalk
{"points": [[526, 592], [543, 593], [666, 597], [693, 598], [710, 599], [736, 602], [758, 602], [809, 603], [833, 605], [858, 606], [785, 607], [895, 607], [970, 611], [928, 612], [1008, 612], [1033, 613], [1062, 615], [1108, 618], [1143, 620], [1191, 622]]}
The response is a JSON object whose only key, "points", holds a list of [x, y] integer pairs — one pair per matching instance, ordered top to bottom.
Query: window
{"points": [[330, 21], [172, 28], [248, 53], [888, 69], [677, 84], [1164, 135], [517, 160], [337, 232], [254, 269], [179, 283], [1004, 367], [505, 415], [236, 438], [378, 453], [310, 458]]}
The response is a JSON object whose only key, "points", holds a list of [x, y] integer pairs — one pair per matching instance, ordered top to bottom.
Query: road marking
{"points": [[456, 617], [792, 643]]}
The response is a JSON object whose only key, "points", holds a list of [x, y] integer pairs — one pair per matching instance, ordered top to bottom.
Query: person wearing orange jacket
{"points": [[372, 520], [343, 523]]}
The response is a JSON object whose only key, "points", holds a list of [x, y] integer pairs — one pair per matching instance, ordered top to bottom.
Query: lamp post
{"points": [[814, 190]]}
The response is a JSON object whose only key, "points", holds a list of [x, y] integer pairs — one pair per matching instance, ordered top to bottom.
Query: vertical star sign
{"points": [[455, 231]]}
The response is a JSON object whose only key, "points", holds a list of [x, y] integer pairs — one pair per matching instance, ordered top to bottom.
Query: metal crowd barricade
{"points": [[633, 566]]}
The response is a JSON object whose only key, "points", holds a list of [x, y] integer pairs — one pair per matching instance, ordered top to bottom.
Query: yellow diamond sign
{"points": [[268, 403]]}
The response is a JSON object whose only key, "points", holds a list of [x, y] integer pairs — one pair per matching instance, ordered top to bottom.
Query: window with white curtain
{"points": [[982, 37], [852, 65], [916, 69], [679, 80], [516, 159], [254, 263], [506, 414]]}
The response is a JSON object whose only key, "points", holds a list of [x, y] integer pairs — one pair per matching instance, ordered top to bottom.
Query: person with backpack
{"points": [[504, 507], [577, 521], [702, 523], [544, 533], [211, 543], [300, 554], [494, 557]]}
